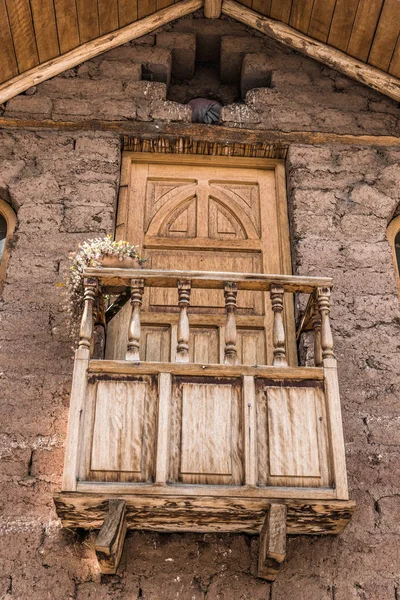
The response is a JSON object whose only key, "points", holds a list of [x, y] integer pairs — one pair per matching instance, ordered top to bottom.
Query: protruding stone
{"points": [[233, 49], [256, 72], [239, 114]]}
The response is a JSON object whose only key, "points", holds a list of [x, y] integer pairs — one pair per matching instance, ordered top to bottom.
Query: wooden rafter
{"points": [[95, 47], [374, 78]]}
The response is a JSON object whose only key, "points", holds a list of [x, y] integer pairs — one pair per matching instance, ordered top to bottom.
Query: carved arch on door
{"points": [[176, 203]]}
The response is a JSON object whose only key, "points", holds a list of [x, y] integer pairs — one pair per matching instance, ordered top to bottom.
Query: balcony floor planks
{"points": [[124, 367], [204, 513]]}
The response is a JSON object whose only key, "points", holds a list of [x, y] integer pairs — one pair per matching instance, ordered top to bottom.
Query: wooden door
{"points": [[204, 213]]}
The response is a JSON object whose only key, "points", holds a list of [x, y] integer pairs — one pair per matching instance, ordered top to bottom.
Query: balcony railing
{"points": [[207, 447]]}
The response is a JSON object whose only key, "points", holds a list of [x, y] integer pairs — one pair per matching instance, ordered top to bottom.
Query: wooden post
{"points": [[212, 9], [91, 287], [137, 288], [230, 294], [323, 298], [316, 325], [278, 336], [182, 348], [163, 427], [250, 430], [110, 541], [272, 542]]}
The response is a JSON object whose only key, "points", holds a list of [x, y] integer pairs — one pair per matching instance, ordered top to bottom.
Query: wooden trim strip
{"points": [[74, 57], [361, 72], [200, 132], [125, 367], [311, 494]]}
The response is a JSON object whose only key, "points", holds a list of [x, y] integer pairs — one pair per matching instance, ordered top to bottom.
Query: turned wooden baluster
{"points": [[91, 287], [137, 288], [230, 293], [323, 298], [316, 325], [278, 333], [182, 348]]}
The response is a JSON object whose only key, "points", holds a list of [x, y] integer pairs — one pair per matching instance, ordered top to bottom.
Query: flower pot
{"points": [[113, 262]]}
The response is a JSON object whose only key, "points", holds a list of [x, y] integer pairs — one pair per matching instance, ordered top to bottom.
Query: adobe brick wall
{"points": [[64, 188]]}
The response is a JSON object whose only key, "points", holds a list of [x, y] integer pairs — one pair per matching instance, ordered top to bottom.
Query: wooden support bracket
{"points": [[110, 541], [272, 542]]}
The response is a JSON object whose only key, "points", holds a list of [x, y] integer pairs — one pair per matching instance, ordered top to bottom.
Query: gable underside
{"points": [[33, 32]]}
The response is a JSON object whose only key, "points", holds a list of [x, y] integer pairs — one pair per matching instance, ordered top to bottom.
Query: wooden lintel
{"points": [[212, 9], [84, 52], [361, 72], [206, 133], [179, 509], [110, 541], [272, 542]]}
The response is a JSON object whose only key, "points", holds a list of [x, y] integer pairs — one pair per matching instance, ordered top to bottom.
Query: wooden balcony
{"points": [[180, 446]]}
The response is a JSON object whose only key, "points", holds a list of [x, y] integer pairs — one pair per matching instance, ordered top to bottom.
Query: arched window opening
{"points": [[8, 221], [3, 234], [393, 236], [397, 250]]}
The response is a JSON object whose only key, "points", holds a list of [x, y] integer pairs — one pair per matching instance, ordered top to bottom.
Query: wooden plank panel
{"points": [[164, 3], [262, 6], [146, 7], [280, 10], [127, 11], [301, 14], [108, 15], [321, 18], [88, 20], [44, 21], [342, 23], [21, 24], [67, 24], [364, 28], [386, 35], [8, 66], [394, 68], [204, 345], [118, 426], [206, 429], [292, 429], [206, 442]]}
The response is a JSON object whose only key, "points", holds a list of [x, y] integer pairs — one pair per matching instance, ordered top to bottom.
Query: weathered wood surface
{"points": [[361, 72], [207, 134], [110, 368], [194, 513], [110, 541], [272, 542]]}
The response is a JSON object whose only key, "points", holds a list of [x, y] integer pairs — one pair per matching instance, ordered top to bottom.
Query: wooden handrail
{"points": [[118, 279]]}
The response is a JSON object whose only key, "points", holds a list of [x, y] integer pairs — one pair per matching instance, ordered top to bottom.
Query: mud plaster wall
{"points": [[64, 187]]}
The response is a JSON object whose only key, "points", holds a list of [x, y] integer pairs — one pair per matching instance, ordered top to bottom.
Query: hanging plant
{"points": [[97, 252]]}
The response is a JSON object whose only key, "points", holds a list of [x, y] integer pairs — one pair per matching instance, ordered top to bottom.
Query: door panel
{"points": [[204, 213]]}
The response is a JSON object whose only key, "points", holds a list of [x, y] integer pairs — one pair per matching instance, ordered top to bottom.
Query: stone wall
{"points": [[64, 188]]}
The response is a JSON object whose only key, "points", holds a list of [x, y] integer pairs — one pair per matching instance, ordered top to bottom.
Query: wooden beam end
{"points": [[110, 541], [272, 542]]}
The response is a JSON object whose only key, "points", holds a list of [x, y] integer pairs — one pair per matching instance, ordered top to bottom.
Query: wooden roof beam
{"points": [[78, 55], [361, 72]]}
